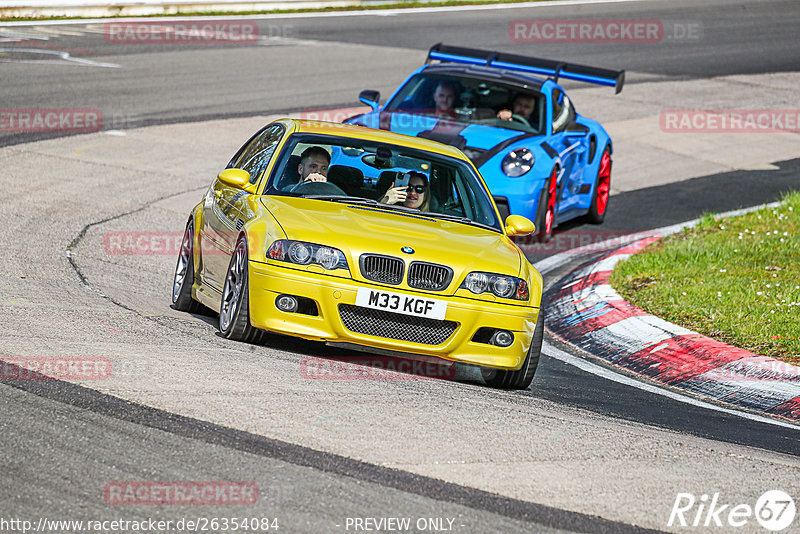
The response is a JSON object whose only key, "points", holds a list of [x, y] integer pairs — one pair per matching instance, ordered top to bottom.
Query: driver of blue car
{"points": [[522, 105], [314, 162]]}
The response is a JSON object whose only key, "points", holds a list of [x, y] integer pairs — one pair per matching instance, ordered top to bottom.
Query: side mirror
{"points": [[371, 98], [235, 177], [519, 225]]}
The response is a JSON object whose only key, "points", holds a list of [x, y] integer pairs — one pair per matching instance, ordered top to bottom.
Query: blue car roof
{"points": [[491, 73]]}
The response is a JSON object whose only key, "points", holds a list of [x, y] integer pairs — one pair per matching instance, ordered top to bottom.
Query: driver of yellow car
{"points": [[314, 162]]}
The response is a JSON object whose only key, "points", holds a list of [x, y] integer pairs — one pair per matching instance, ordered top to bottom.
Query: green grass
{"points": [[395, 5], [736, 280]]}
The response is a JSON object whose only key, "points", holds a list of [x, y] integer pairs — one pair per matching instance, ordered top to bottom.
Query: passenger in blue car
{"points": [[444, 99], [440, 103]]}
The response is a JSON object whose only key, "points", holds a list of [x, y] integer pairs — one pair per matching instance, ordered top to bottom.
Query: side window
{"points": [[562, 110], [256, 155], [458, 195], [445, 197], [476, 209]]}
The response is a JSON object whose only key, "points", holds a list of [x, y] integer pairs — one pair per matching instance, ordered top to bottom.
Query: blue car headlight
{"points": [[517, 162], [302, 253]]}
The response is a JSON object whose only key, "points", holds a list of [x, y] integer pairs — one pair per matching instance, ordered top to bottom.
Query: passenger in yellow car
{"points": [[314, 162], [415, 195]]}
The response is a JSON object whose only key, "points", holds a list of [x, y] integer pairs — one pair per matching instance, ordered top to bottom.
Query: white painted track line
{"points": [[556, 261]]}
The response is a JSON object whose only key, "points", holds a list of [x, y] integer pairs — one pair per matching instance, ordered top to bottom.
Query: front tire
{"points": [[602, 189], [547, 215], [184, 274], [234, 311], [522, 377]]}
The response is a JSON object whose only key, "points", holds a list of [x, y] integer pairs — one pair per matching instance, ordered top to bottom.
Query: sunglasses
{"points": [[418, 188]]}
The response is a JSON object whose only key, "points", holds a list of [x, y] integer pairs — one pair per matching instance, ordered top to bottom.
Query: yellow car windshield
{"points": [[346, 169]]}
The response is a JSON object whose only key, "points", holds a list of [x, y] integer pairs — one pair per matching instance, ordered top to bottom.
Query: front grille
{"points": [[382, 269], [429, 276], [390, 325]]}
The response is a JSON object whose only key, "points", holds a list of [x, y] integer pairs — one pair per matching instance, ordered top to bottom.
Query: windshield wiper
{"points": [[339, 198], [368, 202], [400, 207], [459, 218]]}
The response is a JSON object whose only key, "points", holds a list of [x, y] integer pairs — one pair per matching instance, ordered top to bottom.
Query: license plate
{"points": [[398, 303]]}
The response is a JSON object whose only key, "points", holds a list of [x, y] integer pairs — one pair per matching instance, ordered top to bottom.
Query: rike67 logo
{"points": [[774, 511]]}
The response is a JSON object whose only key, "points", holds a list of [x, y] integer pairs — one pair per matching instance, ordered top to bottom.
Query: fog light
{"points": [[286, 303], [502, 338]]}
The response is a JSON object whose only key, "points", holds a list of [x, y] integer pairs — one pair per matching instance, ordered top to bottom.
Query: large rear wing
{"points": [[546, 67]]}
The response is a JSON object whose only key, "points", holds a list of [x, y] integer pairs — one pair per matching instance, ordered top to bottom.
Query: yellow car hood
{"points": [[358, 229]]}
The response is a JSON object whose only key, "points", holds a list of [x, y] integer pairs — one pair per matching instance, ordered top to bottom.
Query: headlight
{"points": [[517, 162], [301, 253], [327, 257], [476, 282], [503, 286], [507, 287]]}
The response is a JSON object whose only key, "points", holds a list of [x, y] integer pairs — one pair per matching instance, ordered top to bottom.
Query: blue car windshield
{"points": [[472, 100], [333, 168]]}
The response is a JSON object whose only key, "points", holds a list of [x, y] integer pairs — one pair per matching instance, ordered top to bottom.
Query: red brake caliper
{"points": [[603, 183]]}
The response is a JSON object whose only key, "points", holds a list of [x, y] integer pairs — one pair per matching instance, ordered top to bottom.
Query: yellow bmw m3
{"points": [[363, 239]]}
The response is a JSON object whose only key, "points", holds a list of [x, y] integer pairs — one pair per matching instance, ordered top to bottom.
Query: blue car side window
{"points": [[562, 110]]}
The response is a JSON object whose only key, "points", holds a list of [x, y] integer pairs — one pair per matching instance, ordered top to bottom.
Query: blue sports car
{"points": [[507, 113]]}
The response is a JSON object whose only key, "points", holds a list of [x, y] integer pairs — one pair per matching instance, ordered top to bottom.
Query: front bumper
{"points": [[267, 281]]}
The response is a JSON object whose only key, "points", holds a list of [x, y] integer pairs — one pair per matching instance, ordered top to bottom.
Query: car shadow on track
{"points": [[319, 361]]}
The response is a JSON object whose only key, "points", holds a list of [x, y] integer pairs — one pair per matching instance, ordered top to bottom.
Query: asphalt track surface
{"points": [[182, 82], [84, 438]]}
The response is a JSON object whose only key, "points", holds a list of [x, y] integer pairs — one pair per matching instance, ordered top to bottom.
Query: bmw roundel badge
{"points": [[407, 250]]}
